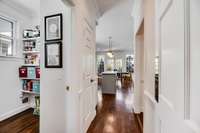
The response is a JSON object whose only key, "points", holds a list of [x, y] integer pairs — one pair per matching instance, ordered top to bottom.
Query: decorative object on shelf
{"points": [[53, 27], [37, 31], [30, 33], [110, 53], [53, 55], [31, 58], [37, 69], [23, 72], [31, 73], [29, 76], [37, 106]]}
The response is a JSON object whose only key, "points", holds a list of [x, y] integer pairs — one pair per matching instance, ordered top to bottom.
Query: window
{"points": [[6, 37], [129, 63], [110, 64], [118, 64]]}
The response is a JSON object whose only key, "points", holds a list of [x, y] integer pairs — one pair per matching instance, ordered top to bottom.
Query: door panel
{"points": [[171, 38], [172, 57], [87, 95]]}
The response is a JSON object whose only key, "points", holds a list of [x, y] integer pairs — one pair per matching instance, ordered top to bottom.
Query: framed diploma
{"points": [[53, 27], [53, 55]]}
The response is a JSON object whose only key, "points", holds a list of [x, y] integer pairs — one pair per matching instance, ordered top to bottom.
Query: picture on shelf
{"points": [[53, 27], [29, 33], [53, 55], [31, 59]]}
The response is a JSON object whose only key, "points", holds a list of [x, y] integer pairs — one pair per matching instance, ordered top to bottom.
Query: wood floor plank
{"points": [[115, 114], [24, 122]]}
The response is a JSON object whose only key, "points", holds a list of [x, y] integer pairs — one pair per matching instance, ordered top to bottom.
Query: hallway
{"points": [[115, 114]]}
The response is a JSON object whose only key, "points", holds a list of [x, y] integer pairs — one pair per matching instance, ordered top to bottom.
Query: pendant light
{"points": [[110, 53]]}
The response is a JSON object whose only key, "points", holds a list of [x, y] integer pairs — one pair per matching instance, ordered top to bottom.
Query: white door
{"points": [[88, 95], [173, 108]]}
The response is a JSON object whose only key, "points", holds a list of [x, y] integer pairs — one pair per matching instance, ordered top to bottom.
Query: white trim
{"points": [[69, 2], [17, 7], [167, 7], [98, 10], [14, 32], [10, 58], [187, 61], [150, 96], [166, 101], [138, 110], [14, 112], [192, 125]]}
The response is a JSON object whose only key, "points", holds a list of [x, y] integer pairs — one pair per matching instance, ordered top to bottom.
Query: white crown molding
{"points": [[70, 2], [18, 8], [98, 11]]}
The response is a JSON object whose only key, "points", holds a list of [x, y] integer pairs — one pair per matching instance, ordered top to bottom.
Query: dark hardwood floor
{"points": [[115, 114], [24, 122]]}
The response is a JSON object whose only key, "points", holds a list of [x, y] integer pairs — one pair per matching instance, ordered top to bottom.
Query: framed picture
{"points": [[53, 27], [53, 55]]}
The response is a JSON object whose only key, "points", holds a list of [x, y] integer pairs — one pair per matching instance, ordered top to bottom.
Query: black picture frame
{"points": [[59, 25], [53, 59]]}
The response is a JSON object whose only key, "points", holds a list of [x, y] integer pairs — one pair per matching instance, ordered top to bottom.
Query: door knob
{"points": [[91, 80], [67, 88]]}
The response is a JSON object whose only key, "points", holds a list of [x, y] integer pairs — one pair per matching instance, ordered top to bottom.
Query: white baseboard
{"points": [[137, 109], [14, 112], [90, 119]]}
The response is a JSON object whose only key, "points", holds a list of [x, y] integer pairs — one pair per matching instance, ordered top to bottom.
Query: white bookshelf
{"points": [[31, 39], [31, 52], [31, 65], [30, 78], [31, 86], [30, 92]]}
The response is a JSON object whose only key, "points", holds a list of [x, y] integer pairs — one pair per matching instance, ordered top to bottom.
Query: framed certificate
{"points": [[53, 27], [53, 55]]}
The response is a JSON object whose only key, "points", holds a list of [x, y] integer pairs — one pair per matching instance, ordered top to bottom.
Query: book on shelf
{"points": [[31, 45], [31, 86]]}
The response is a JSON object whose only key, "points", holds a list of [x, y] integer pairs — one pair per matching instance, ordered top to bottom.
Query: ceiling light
{"points": [[110, 53]]}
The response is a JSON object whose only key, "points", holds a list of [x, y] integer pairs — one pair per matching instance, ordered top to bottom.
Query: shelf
{"points": [[30, 39], [31, 52], [31, 65], [30, 78], [30, 92]]}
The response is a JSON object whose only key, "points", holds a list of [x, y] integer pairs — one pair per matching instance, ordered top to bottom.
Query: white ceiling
{"points": [[30, 7], [117, 22]]}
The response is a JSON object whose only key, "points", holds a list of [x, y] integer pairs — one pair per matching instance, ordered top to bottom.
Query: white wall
{"points": [[53, 81], [10, 100], [61, 109]]}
